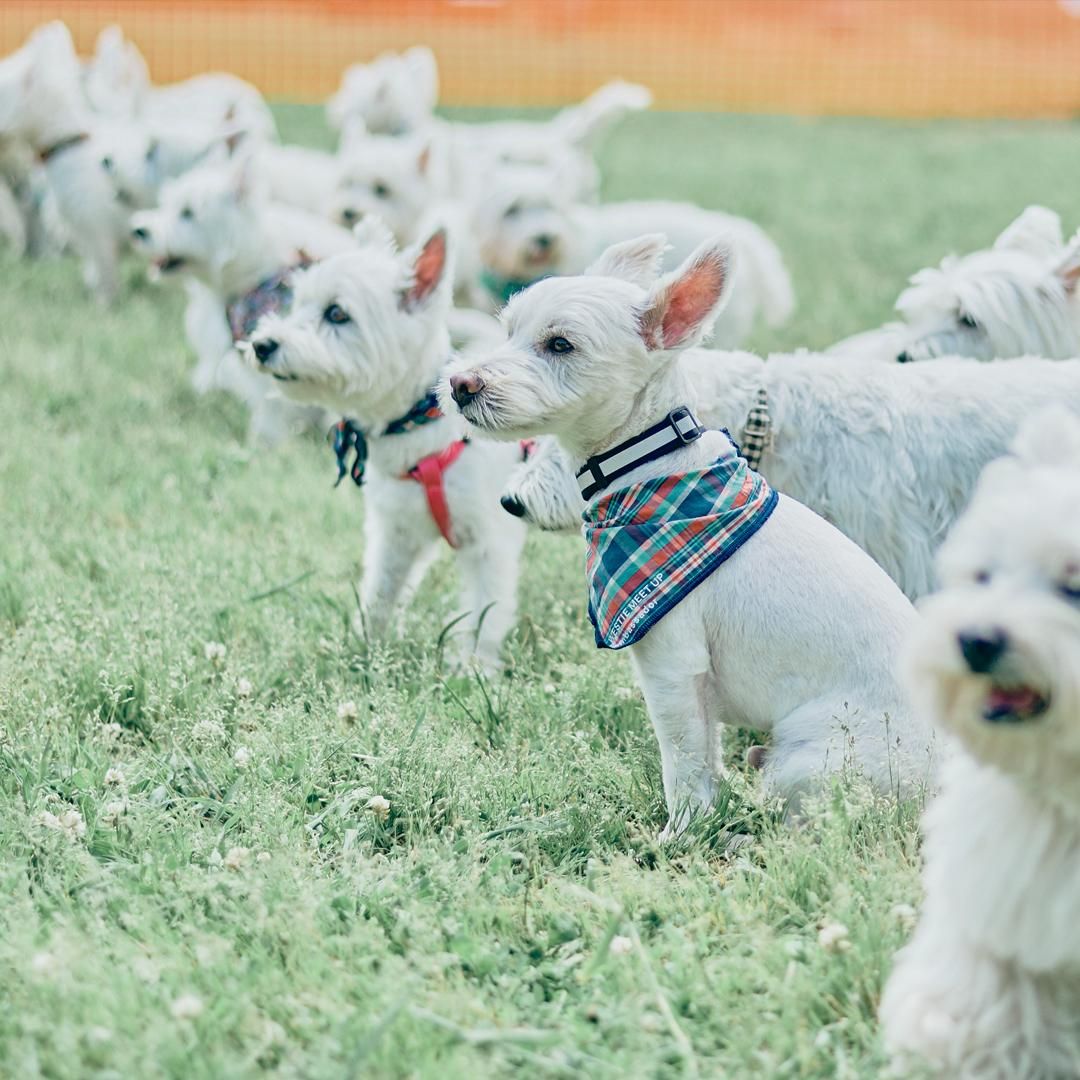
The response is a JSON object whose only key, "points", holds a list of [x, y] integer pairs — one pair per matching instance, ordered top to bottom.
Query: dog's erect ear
{"points": [[424, 74], [423, 159], [244, 180], [1037, 231], [636, 261], [1068, 267], [428, 269], [682, 305], [1049, 437]]}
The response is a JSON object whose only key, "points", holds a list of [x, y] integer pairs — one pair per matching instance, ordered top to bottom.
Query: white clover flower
{"points": [[215, 651], [244, 688], [550, 688], [624, 693], [348, 711], [112, 731], [208, 732], [242, 757], [114, 777], [379, 806], [113, 811], [70, 822], [263, 857], [214, 858], [237, 858], [905, 914], [833, 937], [620, 946], [45, 964], [186, 1007], [97, 1035]]}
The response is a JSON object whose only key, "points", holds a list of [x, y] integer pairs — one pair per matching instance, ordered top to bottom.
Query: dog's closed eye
{"points": [[337, 315], [966, 320]]}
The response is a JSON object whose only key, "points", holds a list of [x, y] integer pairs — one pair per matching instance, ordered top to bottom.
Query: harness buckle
{"points": [[684, 424]]}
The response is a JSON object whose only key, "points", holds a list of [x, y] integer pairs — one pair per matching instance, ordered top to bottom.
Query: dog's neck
{"points": [[260, 256]]}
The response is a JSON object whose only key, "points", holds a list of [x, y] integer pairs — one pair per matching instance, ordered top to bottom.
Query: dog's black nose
{"points": [[140, 233], [544, 241], [264, 349], [904, 357], [465, 387], [513, 505], [982, 651]]}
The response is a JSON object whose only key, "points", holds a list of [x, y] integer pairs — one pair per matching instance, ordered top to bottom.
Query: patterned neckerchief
{"points": [[270, 296], [347, 436], [651, 544]]}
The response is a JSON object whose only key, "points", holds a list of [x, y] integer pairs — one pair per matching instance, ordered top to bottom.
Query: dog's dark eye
{"points": [[107, 164], [380, 190], [512, 210], [187, 214], [337, 315], [966, 320], [559, 345], [982, 577], [1070, 590]]}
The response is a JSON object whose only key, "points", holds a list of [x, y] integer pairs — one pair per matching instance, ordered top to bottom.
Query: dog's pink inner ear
{"points": [[428, 270], [1069, 273], [685, 303]]}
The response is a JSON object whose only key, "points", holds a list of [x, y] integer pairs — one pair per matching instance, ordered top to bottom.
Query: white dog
{"points": [[528, 228], [216, 229], [1014, 299], [367, 338], [888, 453], [796, 634], [989, 987]]}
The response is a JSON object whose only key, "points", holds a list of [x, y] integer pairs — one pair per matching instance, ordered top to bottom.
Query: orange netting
{"points": [[880, 57]]}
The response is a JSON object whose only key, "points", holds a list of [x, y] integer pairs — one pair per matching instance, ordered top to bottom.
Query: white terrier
{"points": [[216, 228], [528, 228], [1014, 299], [367, 338], [888, 453], [796, 634], [988, 988]]}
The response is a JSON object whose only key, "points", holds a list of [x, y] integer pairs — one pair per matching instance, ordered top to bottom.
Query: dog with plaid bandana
{"points": [[743, 607]]}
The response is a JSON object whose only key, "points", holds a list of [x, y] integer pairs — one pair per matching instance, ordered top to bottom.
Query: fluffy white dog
{"points": [[528, 228], [216, 230], [1016, 298], [367, 338], [888, 453], [795, 633], [989, 987]]}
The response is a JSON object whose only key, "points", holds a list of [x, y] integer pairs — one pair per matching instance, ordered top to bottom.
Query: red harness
{"points": [[429, 473]]}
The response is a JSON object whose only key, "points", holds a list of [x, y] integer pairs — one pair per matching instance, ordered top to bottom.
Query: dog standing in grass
{"points": [[367, 338], [796, 630], [989, 987]]}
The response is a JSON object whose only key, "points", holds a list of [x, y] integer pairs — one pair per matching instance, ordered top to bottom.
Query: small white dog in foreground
{"points": [[367, 338], [796, 634], [989, 987]]}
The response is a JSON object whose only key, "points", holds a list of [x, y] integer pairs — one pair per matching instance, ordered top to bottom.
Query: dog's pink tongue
{"points": [[1020, 700]]}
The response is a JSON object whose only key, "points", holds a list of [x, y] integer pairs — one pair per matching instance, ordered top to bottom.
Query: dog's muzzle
{"points": [[465, 388], [513, 505]]}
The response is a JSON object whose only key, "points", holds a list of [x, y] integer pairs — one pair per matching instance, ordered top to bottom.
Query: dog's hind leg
{"points": [[672, 669]]}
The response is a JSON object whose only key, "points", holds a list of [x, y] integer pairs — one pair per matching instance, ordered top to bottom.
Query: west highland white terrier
{"points": [[528, 228], [216, 230], [1014, 299], [367, 338], [888, 453], [737, 605], [989, 986]]}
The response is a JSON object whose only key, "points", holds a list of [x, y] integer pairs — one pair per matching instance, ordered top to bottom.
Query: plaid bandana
{"points": [[268, 297], [346, 436], [651, 544]]}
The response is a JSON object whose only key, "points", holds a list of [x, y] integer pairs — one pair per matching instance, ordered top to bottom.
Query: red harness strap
{"points": [[429, 473]]}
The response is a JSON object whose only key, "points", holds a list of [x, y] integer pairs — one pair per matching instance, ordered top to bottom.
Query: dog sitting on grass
{"points": [[367, 338], [738, 606], [989, 987]]}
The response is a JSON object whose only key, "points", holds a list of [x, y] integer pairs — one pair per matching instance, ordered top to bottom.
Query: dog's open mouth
{"points": [[169, 264], [1013, 704]]}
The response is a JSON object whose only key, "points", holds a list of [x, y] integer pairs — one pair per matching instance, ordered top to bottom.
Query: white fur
{"points": [[528, 228], [231, 237], [1014, 299], [373, 368], [887, 453], [796, 633], [988, 988]]}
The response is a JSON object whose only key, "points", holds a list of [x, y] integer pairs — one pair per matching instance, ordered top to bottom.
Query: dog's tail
{"points": [[583, 124], [763, 264]]}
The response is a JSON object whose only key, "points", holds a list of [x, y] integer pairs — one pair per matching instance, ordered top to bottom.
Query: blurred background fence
{"points": [[1013, 58]]}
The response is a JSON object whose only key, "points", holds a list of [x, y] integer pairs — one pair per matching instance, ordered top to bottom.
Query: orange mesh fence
{"points": [[874, 57]]}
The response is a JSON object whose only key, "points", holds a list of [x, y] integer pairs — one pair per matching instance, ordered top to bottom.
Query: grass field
{"points": [[191, 881]]}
